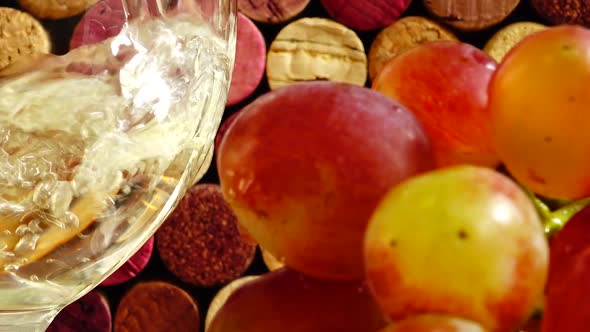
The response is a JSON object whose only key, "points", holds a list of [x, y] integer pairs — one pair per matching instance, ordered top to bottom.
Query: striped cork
{"points": [[272, 11], [365, 15], [471, 15], [20, 35], [312, 49]]}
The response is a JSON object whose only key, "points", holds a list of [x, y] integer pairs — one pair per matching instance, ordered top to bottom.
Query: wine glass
{"points": [[98, 145]]}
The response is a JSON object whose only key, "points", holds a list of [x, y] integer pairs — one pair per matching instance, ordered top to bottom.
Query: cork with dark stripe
{"points": [[312, 49]]}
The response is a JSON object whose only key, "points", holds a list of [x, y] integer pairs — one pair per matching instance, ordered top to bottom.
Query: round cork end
{"points": [[56, 9], [272, 11], [563, 11], [366, 15], [471, 15], [22, 35], [401, 36], [504, 40], [316, 49], [200, 242], [135, 265], [156, 306], [90, 313]]}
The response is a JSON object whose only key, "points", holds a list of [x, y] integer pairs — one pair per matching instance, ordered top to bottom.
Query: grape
{"points": [[445, 85], [539, 102], [304, 166], [464, 241], [567, 304], [433, 323]]}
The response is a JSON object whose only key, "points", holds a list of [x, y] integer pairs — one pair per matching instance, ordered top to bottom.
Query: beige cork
{"points": [[56, 9], [20, 35], [401, 36], [508, 37], [312, 49]]}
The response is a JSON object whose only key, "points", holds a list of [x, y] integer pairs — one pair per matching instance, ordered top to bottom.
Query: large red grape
{"points": [[304, 166]]}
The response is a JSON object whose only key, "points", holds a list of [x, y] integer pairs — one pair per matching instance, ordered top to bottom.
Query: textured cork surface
{"points": [[56, 9], [272, 11], [564, 11], [365, 15], [471, 15], [20, 35], [401, 36], [508, 37], [316, 49], [200, 242], [156, 306]]}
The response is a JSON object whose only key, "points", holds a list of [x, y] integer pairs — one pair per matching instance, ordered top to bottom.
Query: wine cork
{"points": [[56, 9], [272, 11], [564, 11], [365, 15], [471, 15], [100, 22], [404, 34], [20, 35], [508, 37], [313, 49], [250, 61], [200, 242], [133, 266], [222, 296], [156, 306], [90, 313]]}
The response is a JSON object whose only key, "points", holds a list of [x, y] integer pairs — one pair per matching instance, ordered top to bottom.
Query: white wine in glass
{"points": [[97, 146]]}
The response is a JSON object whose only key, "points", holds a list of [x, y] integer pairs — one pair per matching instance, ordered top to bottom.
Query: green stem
{"points": [[542, 208], [559, 217], [553, 221]]}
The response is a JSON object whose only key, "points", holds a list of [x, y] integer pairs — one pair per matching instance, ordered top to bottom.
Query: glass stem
{"points": [[26, 321]]}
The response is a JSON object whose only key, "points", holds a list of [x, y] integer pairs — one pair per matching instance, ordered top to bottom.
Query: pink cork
{"points": [[272, 11], [365, 15], [102, 21], [250, 61], [133, 266], [91, 313]]}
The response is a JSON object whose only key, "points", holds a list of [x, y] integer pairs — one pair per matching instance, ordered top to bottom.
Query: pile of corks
{"points": [[182, 275]]}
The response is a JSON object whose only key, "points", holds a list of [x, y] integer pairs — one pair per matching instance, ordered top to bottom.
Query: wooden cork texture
{"points": [[20, 35]]}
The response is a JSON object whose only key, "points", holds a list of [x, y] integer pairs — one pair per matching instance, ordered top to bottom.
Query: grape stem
{"points": [[559, 217], [553, 221]]}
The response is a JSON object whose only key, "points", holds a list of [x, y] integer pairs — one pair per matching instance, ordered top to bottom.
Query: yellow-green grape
{"points": [[464, 241]]}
